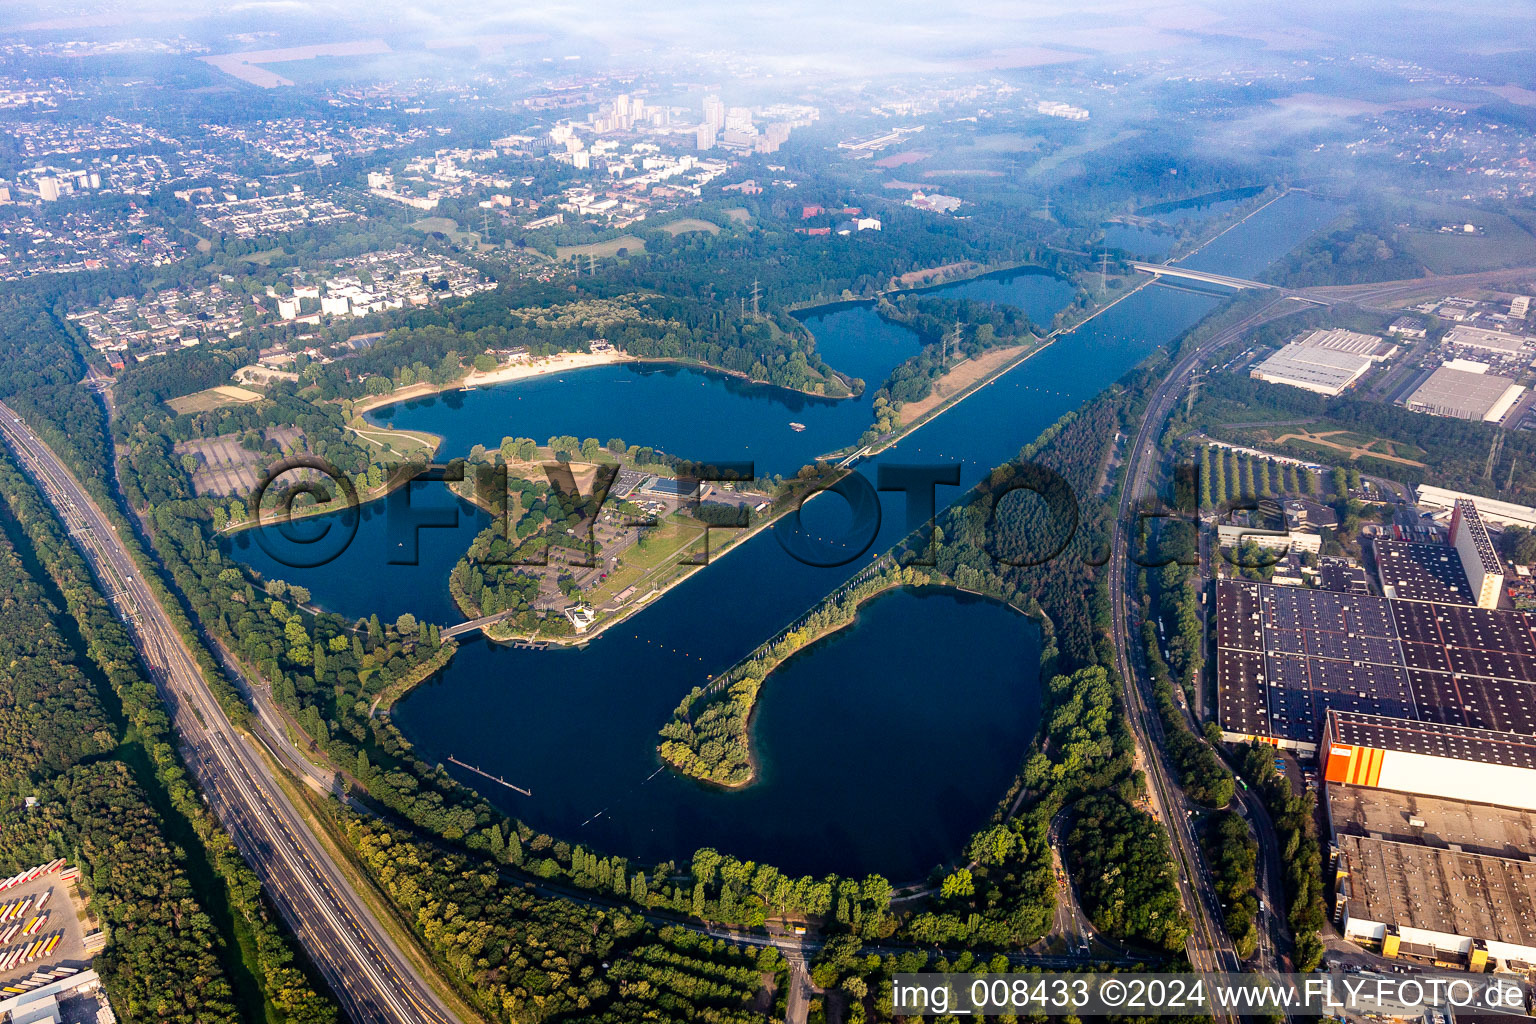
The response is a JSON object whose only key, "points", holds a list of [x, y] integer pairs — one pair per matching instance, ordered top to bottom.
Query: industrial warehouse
{"points": [[1326, 362], [1465, 391], [1435, 650], [1296, 653], [1420, 707], [1419, 869]]}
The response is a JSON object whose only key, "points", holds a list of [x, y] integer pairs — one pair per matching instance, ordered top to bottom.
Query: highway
{"points": [[1209, 948], [371, 978]]}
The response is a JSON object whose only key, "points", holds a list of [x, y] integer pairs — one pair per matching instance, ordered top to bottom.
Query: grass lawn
{"points": [[739, 214], [443, 224], [687, 224], [449, 227], [1499, 242], [608, 248], [265, 257], [213, 398], [406, 443], [666, 542]]}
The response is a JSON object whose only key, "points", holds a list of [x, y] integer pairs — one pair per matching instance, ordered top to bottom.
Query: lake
{"points": [[875, 756]]}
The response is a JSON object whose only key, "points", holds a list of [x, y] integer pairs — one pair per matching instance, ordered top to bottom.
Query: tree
{"points": [[960, 883]]}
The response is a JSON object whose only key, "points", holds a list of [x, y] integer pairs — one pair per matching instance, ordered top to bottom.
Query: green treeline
{"points": [[1368, 243], [543, 318], [952, 331], [40, 378], [1456, 449], [1226, 475], [1176, 608], [50, 717], [707, 737], [150, 740], [1201, 773], [1300, 851], [1233, 855], [1124, 869], [524, 958], [161, 961]]}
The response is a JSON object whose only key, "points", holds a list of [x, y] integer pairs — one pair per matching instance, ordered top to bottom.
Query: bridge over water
{"points": [[1169, 270]]}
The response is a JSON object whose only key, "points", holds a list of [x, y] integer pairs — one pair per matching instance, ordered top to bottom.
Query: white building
{"points": [[1485, 339], [1324, 361], [1505, 513], [1229, 535], [1478, 558]]}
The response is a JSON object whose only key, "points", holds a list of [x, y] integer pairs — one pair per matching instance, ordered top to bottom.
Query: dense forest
{"points": [[1367, 244], [41, 378], [50, 717], [141, 736], [1301, 853], [1233, 855], [1124, 869], [523, 958], [162, 961]]}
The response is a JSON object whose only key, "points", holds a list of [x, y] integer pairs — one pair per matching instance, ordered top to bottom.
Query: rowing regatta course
{"points": [[881, 748]]}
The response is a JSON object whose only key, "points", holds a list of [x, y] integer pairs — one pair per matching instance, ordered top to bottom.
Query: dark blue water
{"points": [[1200, 207], [1278, 228], [1142, 242], [702, 415], [361, 580], [512, 712], [880, 749], [843, 787]]}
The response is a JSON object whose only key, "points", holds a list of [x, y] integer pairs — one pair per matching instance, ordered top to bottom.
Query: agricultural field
{"points": [[688, 224], [1498, 241], [611, 247], [213, 398]]}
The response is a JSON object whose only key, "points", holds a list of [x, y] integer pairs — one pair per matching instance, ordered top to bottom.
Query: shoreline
{"points": [[563, 362], [542, 367], [581, 639], [752, 759]]}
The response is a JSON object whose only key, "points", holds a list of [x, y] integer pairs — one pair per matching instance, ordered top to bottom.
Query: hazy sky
{"points": [[862, 34]]}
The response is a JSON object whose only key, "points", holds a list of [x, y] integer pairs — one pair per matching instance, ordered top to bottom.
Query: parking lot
{"points": [[23, 926]]}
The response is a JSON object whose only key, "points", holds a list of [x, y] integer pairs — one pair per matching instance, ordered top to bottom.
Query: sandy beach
{"points": [[558, 363]]}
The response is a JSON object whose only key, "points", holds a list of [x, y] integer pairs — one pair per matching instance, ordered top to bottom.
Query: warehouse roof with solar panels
{"points": [[1421, 572], [1285, 656], [1432, 739]]}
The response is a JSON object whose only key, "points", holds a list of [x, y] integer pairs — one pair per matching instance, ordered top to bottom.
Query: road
{"points": [[1385, 294], [1071, 924], [1209, 948], [370, 976]]}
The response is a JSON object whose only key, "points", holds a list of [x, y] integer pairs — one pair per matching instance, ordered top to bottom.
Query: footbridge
{"points": [[1169, 270]]}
